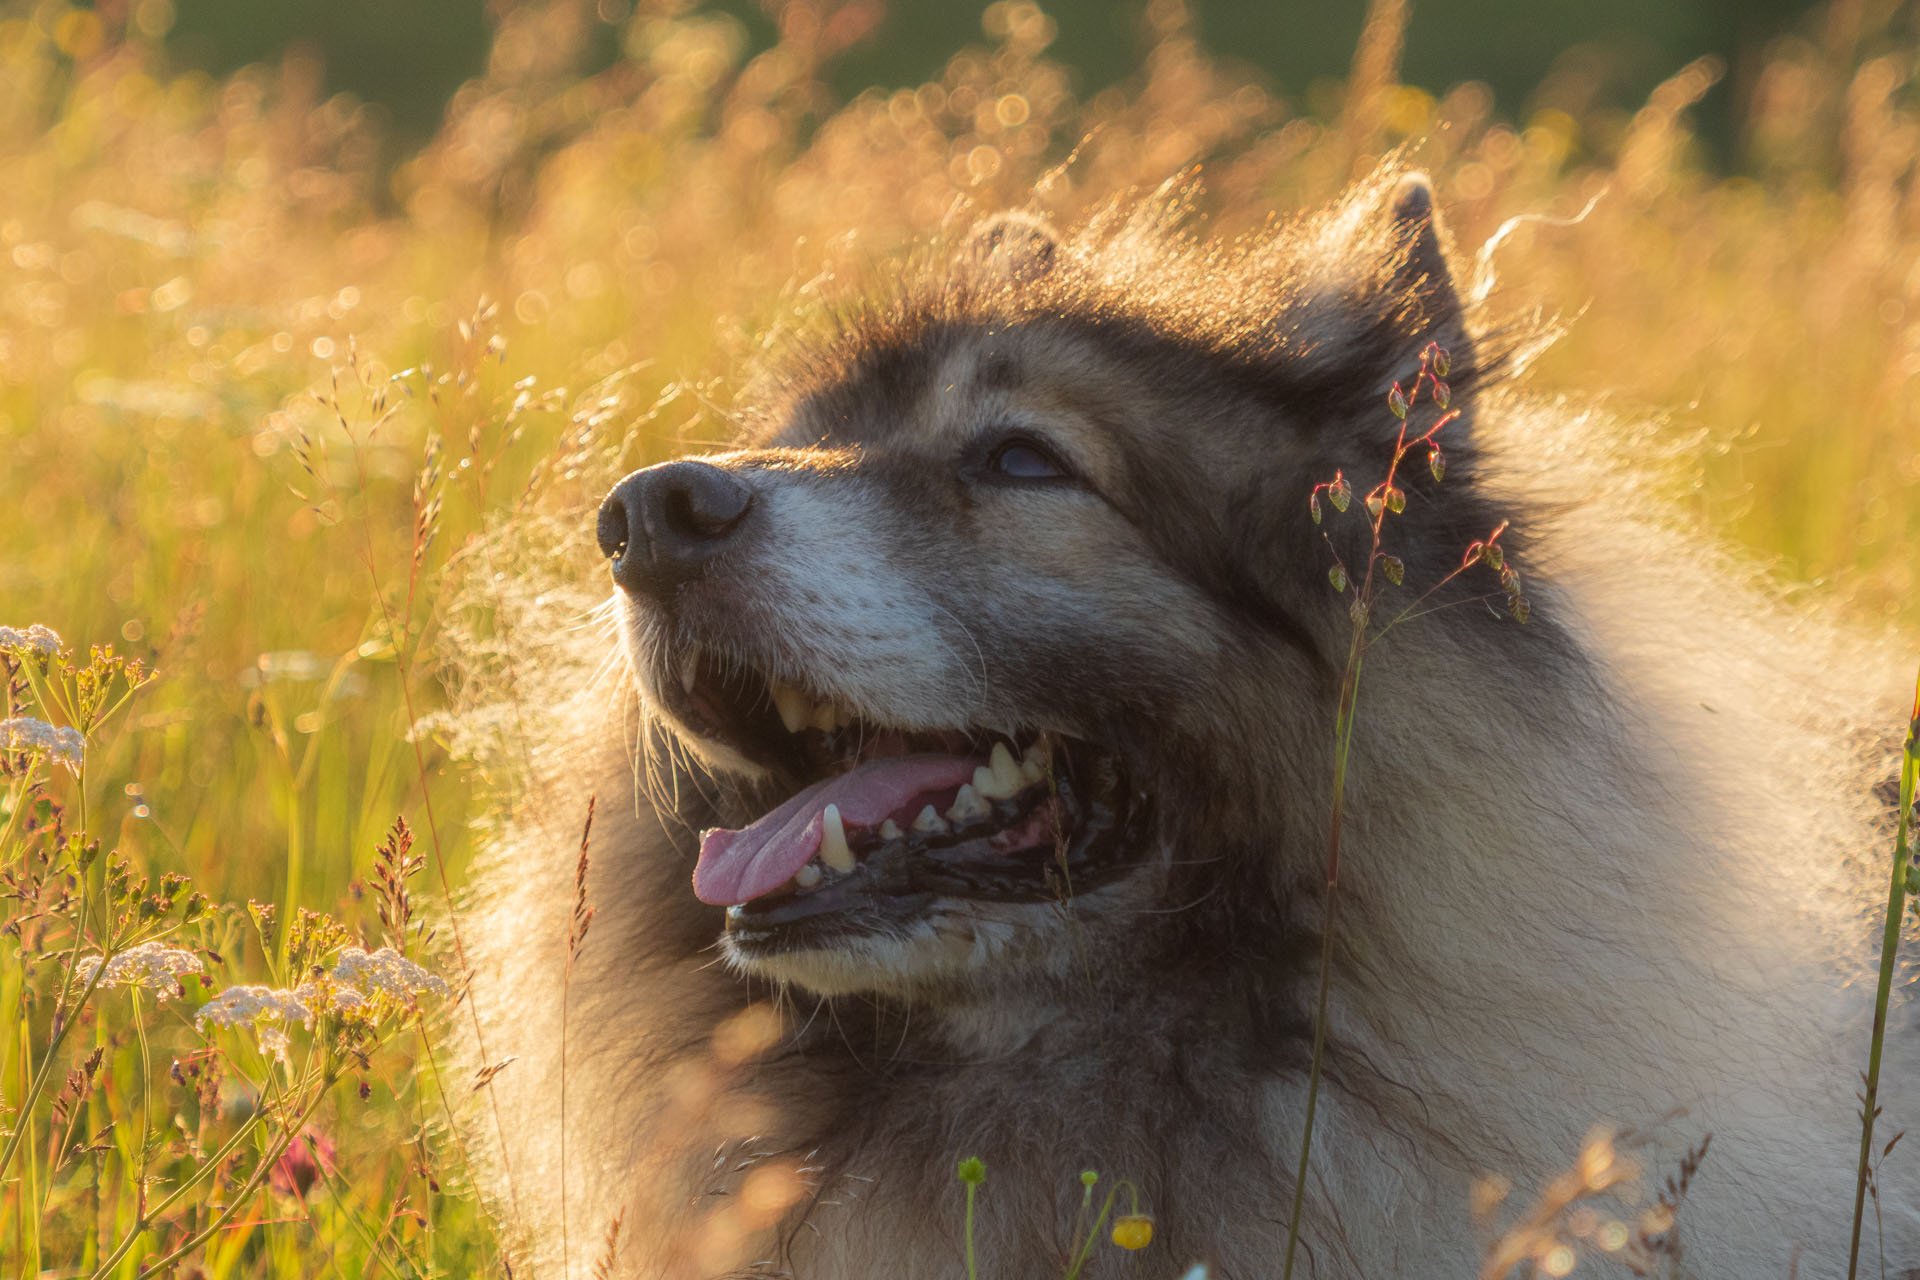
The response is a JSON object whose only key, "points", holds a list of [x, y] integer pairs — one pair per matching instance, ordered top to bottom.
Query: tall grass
{"points": [[262, 381]]}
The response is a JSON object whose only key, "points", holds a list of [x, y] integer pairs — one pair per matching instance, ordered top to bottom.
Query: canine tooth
{"points": [[690, 667], [792, 705], [826, 716], [1038, 752], [1006, 770], [1032, 771], [988, 784], [968, 806], [930, 823], [890, 830], [833, 841], [808, 876]]}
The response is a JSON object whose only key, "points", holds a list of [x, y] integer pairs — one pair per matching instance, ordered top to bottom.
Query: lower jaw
{"points": [[926, 963]]}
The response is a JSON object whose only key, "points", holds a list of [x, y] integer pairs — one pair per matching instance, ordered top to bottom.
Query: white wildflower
{"points": [[38, 639], [24, 733], [158, 968], [386, 972], [349, 990], [332, 997], [247, 1005], [265, 1010], [274, 1041]]}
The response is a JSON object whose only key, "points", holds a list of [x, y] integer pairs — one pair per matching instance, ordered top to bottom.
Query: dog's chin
{"points": [[879, 857], [952, 951]]}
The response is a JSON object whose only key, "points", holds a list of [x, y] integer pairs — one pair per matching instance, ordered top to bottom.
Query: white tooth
{"points": [[689, 667], [792, 705], [825, 716], [1039, 752], [1006, 770], [1032, 771], [988, 784], [968, 806], [929, 823], [890, 830], [833, 841], [808, 876]]}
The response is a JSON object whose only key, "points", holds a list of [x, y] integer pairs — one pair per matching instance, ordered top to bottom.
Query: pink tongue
{"points": [[739, 866]]}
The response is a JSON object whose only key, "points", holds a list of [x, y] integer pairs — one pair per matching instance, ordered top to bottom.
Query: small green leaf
{"points": [[1442, 362], [1442, 393], [1397, 401], [1437, 463], [1340, 494], [1396, 500], [1313, 507], [1394, 568], [1338, 577]]}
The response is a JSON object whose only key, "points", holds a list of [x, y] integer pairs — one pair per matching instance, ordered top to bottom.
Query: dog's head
{"points": [[1018, 602]]}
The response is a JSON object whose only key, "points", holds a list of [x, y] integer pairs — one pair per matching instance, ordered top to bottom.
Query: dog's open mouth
{"points": [[882, 821]]}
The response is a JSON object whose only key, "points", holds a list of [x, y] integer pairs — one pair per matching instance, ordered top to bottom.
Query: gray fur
{"points": [[1611, 868]]}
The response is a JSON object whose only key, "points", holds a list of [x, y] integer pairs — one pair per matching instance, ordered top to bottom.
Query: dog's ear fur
{"points": [[1414, 221], [1012, 248], [1420, 275], [1379, 291]]}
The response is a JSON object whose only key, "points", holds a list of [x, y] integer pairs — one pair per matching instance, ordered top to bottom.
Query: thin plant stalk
{"points": [[1384, 499], [1343, 730], [296, 870], [576, 938], [1889, 953], [38, 1081], [146, 1103], [972, 1173], [234, 1202], [1093, 1232], [29, 1248], [973, 1272]]}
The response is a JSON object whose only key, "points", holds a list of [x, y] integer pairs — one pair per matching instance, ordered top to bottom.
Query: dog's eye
{"points": [[1025, 460]]}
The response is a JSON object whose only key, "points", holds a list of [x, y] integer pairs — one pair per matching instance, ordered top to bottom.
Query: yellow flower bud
{"points": [[1134, 1231]]}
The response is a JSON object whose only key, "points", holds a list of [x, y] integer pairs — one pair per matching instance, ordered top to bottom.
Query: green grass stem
{"points": [[1898, 885]]}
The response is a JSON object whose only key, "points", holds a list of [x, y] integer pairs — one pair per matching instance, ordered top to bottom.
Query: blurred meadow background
{"points": [[296, 306]]}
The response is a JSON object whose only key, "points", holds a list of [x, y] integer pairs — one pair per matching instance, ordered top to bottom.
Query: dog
{"points": [[968, 787]]}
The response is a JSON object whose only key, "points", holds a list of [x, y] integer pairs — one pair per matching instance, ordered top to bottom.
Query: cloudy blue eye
{"points": [[1025, 460]]}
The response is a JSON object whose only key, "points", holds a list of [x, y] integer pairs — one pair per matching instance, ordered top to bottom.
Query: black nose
{"points": [[658, 526]]}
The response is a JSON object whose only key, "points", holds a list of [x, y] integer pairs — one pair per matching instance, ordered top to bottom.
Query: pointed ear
{"points": [[1012, 248], [1418, 267]]}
